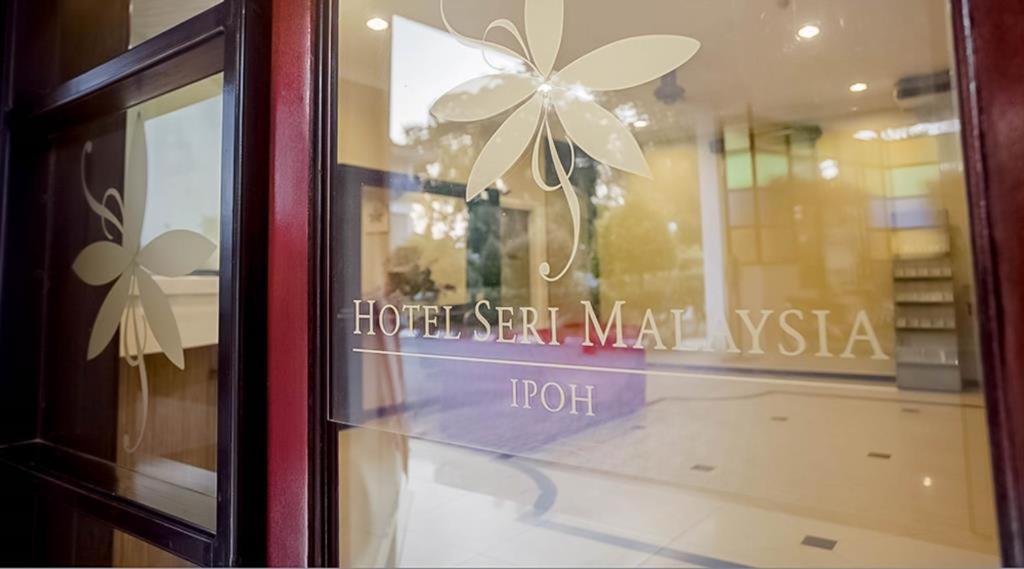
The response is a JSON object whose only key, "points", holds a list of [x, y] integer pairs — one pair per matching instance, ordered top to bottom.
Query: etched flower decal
{"points": [[543, 95], [131, 266]]}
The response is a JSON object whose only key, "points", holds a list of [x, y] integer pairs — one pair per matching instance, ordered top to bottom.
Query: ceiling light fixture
{"points": [[377, 24], [808, 32], [858, 87], [641, 123], [829, 169]]}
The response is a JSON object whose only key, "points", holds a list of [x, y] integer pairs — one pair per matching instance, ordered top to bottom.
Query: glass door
{"points": [[656, 284]]}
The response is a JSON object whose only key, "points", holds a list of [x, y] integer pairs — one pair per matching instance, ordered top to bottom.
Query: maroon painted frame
{"points": [[990, 53], [290, 368]]}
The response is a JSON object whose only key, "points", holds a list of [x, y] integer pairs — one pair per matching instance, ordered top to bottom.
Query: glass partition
{"points": [[660, 284], [131, 360], [167, 403]]}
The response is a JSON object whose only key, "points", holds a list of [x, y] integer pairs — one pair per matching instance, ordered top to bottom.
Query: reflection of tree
{"points": [[445, 151], [439, 218], [435, 238], [644, 251], [483, 261], [411, 282]]}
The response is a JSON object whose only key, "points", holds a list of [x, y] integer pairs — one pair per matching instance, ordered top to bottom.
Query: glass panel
{"points": [[136, 300], [670, 304], [175, 427]]}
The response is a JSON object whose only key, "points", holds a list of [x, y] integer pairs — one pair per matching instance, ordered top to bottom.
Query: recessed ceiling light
{"points": [[377, 24], [810, 31], [858, 87], [641, 123], [865, 135], [829, 169]]}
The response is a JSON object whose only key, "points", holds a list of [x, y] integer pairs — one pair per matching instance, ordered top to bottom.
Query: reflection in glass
{"points": [[769, 337]]}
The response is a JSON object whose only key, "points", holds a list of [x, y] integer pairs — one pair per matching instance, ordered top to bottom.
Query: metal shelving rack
{"points": [[927, 349]]}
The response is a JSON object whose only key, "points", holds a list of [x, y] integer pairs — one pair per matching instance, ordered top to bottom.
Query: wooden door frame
{"points": [[229, 38], [990, 59], [295, 134]]}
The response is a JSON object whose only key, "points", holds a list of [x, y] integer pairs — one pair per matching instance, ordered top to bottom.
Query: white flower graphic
{"points": [[543, 94], [174, 253]]}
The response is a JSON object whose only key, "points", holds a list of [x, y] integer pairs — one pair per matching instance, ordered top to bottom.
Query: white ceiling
{"points": [[750, 59]]}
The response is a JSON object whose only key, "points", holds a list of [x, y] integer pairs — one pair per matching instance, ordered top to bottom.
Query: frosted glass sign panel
{"points": [[660, 283]]}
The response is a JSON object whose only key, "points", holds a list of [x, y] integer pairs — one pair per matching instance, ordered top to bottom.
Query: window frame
{"points": [[229, 38]]}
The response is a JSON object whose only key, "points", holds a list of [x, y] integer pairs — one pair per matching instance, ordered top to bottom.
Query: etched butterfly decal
{"points": [[567, 95], [123, 260]]}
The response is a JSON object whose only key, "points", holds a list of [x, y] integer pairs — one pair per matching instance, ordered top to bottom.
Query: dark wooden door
{"points": [[128, 124]]}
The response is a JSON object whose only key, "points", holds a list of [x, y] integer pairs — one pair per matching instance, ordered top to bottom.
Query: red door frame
{"points": [[990, 54], [991, 69], [289, 363]]}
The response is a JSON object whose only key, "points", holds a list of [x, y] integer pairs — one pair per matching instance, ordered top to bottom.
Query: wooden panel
{"points": [[90, 33], [58, 39], [237, 42], [21, 297], [80, 395], [182, 425], [115, 495], [67, 537], [131, 552]]}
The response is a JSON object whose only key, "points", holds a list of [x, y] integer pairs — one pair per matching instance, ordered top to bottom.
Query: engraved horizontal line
{"points": [[659, 373]]}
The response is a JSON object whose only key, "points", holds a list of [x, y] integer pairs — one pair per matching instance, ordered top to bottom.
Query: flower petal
{"points": [[544, 19], [483, 45], [629, 62], [484, 97], [600, 134], [505, 147], [135, 186], [176, 253], [101, 262], [109, 316], [160, 318]]}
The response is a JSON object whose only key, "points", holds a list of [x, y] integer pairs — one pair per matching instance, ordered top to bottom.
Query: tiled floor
{"points": [[892, 478]]}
